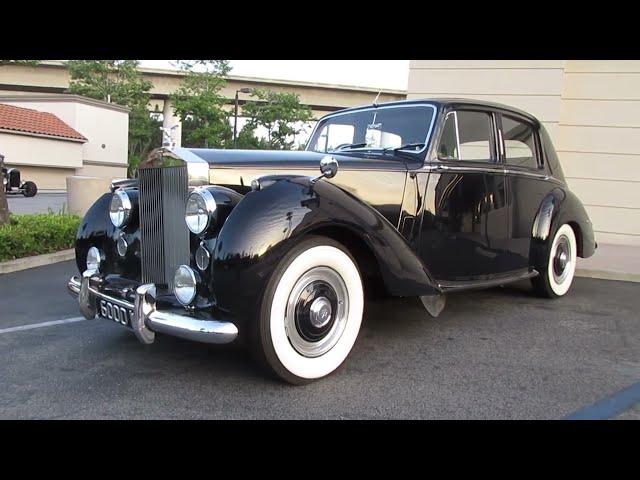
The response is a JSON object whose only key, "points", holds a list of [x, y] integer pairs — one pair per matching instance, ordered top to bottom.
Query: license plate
{"points": [[115, 312]]}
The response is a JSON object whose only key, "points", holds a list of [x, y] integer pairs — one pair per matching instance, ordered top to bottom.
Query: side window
{"points": [[466, 136], [519, 143]]}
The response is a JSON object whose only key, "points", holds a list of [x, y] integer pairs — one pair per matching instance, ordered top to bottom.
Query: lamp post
{"points": [[235, 115]]}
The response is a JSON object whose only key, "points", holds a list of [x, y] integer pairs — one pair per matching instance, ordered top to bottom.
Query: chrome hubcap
{"points": [[562, 260], [317, 310], [320, 312]]}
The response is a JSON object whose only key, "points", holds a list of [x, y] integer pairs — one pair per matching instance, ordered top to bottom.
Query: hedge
{"points": [[35, 234]]}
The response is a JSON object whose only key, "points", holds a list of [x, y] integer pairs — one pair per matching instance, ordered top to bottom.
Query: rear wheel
{"points": [[29, 189], [557, 274], [311, 311]]}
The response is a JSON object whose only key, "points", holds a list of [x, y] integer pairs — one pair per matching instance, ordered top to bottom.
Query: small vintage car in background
{"points": [[12, 183], [414, 198]]}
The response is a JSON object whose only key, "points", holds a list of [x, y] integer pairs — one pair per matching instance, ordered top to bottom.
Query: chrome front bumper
{"points": [[146, 320]]}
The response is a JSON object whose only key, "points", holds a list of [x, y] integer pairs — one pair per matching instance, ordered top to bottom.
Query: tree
{"points": [[28, 63], [120, 82], [199, 103], [281, 114]]}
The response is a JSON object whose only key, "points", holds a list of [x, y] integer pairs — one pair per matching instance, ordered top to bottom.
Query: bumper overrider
{"points": [[142, 314]]}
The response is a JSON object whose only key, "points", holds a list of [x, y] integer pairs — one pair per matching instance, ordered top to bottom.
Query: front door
{"points": [[465, 223]]}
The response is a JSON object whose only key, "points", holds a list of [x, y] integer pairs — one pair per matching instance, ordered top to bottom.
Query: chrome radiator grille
{"points": [[164, 238]]}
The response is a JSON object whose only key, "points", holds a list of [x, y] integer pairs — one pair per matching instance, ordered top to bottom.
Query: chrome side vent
{"points": [[164, 238]]}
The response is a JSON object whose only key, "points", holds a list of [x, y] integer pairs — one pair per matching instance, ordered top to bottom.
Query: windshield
{"points": [[374, 129]]}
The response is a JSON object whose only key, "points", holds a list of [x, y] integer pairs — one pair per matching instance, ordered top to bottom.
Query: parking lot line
{"points": [[40, 325], [610, 406]]}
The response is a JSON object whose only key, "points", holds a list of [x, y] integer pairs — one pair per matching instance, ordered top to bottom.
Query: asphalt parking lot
{"points": [[41, 203], [494, 354]]}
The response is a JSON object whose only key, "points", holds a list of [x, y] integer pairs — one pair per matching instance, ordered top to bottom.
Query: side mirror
{"points": [[328, 168]]}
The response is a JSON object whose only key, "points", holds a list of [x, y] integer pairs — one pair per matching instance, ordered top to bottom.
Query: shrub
{"points": [[35, 234]]}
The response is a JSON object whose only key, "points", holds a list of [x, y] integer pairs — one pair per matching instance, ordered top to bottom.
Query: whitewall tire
{"points": [[557, 274], [311, 311]]}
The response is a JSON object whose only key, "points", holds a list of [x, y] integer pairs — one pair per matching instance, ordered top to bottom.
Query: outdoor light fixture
{"points": [[235, 115]]}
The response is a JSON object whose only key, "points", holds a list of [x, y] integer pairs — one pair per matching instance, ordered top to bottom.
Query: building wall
{"points": [[591, 109], [100, 123], [39, 151], [104, 154], [112, 173], [45, 178]]}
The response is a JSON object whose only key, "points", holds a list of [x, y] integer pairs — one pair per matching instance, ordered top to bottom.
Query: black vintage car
{"points": [[12, 183], [431, 197]]}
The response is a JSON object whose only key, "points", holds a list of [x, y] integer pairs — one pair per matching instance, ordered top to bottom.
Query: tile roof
{"points": [[33, 121]]}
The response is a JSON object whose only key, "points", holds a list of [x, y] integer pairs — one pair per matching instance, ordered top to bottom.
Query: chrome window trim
{"points": [[382, 107], [493, 124], [497, 169]]}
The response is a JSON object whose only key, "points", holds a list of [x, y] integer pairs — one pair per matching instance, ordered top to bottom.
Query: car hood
{"points": [[292, 160]]}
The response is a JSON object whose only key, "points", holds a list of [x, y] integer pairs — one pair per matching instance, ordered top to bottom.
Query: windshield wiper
{"points": [[349, 145], [403, 147]]}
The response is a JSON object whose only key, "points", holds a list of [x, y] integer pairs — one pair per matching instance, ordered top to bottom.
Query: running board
{"points": [[448, 287]]}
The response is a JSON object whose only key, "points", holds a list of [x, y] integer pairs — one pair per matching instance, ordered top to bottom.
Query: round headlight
{"points": [[120, 208], [200, 211], [94, 258], [184, 284]]}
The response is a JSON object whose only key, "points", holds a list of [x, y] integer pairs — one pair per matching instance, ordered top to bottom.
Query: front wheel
{"points": [[29, 189], [557, 274], [311, 311]]}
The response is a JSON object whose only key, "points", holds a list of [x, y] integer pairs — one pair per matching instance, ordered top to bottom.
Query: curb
{"points": [[36, 261], [608, 275]]}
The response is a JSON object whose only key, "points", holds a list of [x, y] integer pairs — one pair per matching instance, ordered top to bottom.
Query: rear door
{"points": [[527, 184]]}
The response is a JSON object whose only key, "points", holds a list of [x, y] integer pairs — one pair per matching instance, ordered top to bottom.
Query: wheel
{"points": [[29, 189], [557, 274], [311, 311]]}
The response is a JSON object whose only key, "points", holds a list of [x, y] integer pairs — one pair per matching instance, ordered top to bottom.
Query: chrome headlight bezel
{"points": [[122, 215], [199, 221], [185, 284]]}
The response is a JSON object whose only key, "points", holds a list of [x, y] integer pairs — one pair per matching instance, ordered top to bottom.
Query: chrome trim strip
{"points": [[382, 107], [450, 168], [497, 169], [531, 174], [473, 284]]}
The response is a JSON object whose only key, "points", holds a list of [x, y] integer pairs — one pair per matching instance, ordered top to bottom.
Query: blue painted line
{"points": [[609, 407]]}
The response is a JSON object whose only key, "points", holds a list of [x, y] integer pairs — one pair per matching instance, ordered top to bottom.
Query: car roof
{"points": [[447, 102]]}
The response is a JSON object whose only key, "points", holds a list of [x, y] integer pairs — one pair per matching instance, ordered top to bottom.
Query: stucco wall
{"points": [[592, 112], [101, 125], [40, 151], [45, 178]]}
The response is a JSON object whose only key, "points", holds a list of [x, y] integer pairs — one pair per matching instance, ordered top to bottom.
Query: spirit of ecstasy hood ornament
{"points": [[168, 140]]}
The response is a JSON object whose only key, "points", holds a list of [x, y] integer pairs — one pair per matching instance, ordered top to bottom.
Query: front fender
{"points": [[266, 223], [97, 230]]}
